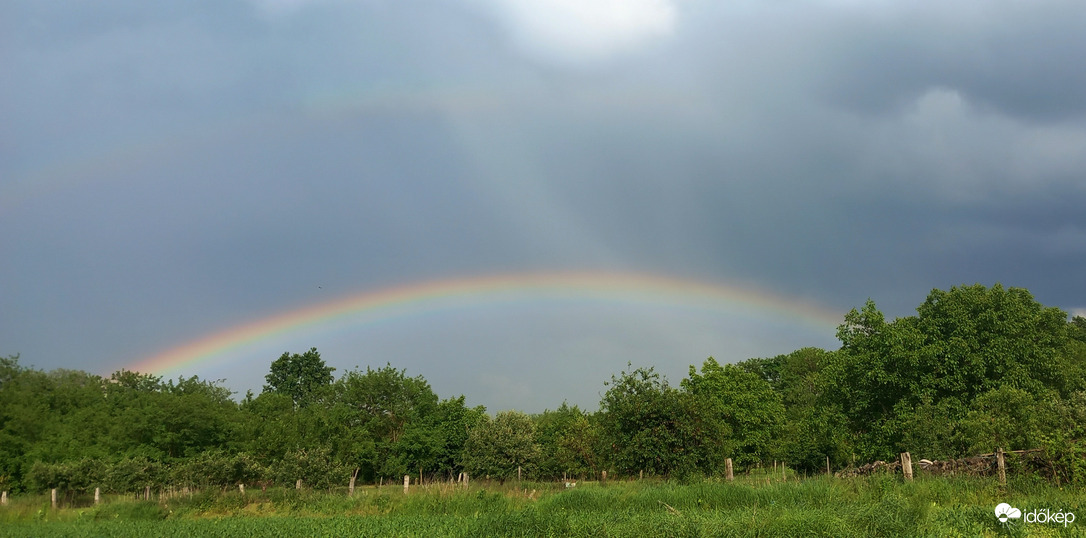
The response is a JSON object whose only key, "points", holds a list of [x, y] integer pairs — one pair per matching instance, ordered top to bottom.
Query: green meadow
{"points": [[977, 370], [752, 506]]}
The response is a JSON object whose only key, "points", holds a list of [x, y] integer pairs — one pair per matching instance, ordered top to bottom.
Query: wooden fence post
{"points": [[1001, 463], [907, 465], [828, 471], [728, 472], [518, 473], [641, 475], [603, 476], [406, 483], [298, 484], [241, 488], [147, 492], [97, 496], [53, 497], [4, 498]]}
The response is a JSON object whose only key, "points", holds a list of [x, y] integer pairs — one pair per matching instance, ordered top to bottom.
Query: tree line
{"points": [[976, 368]]}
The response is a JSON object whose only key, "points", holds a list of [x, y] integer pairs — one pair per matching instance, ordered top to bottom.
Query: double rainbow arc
{"points": [[492, 291]]}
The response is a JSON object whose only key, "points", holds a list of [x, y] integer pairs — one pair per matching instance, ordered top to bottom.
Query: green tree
{"points": [[1077, 329], [977, 339], [963, 343], [1075, 356], [769, 369], [302, 377], [745, 403], [1006, 417], [167, 420], [453, 421], [383, 422], [269, 427], [652, 427], [814, 428], [933, 430], [568, 438], [1064, 438], [579, 446], [498, 447], [316, 467], [216, 468], [134, 473]]}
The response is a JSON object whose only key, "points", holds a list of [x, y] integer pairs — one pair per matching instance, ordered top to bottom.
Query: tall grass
{"points": [[871, 506]]}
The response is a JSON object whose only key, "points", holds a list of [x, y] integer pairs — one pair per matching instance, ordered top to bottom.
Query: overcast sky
{"points": [[173, 169]]}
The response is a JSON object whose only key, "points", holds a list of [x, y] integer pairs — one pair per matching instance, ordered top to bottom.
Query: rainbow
{"points": [[121, 161], [452, 294]]}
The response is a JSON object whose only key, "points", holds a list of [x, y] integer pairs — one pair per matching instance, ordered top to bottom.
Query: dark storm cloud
{"points": [[1014, 58], [170, 169]]}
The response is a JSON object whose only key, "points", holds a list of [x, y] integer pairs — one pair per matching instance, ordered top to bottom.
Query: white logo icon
{"points": [[1006, 512]]}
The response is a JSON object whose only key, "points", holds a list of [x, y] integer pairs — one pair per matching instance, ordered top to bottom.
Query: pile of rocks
{"points": [[1032, 460], [975, 466], [871, 468]]}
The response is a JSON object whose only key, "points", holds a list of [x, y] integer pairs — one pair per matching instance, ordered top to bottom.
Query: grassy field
{"points": [[872, 506]]}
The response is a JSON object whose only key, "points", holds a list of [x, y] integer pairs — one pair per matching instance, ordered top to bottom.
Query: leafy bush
{"points": [[315, 467]]}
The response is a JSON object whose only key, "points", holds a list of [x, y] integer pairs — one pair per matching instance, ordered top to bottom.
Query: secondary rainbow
{"points": [[127, 158], [383, 304]]}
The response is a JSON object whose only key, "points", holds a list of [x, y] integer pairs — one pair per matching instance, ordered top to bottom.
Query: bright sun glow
{"points": [[582, 30]]}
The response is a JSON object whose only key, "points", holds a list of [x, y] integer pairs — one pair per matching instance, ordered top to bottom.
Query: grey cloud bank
{"points": [[170, 169]]}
